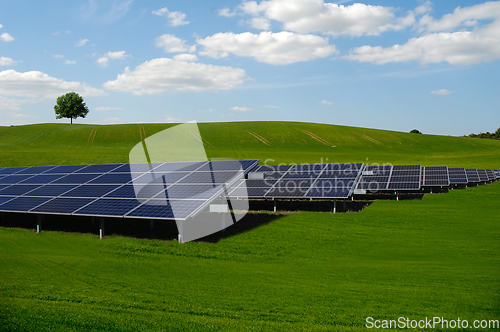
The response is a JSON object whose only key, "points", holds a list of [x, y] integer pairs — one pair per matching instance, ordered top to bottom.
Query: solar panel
{"points": [[98, 168], [64, 169], [11, 170], [35, 170], [490, 174], [457, 175], [472, 175], [435, 176], [405, 177], [483, 177], [42, 178], [76, 178], [115, 178], [374, 178], [13, 179], [17, 190], [52, 190], [90, 191], [126, 191], [4, 199], [22, 204], [62, 205], [112, 207], [183, 209]]}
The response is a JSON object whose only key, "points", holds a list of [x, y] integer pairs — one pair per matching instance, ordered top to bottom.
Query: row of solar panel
{"points": [[300, 181], [165, 191]]}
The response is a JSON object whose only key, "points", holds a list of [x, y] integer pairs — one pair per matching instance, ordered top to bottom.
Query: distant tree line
{"points": [[495, 135]]}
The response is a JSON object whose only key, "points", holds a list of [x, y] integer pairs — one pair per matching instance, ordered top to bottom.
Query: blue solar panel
{"points": [[179, 167], [98, 168], [64, 169], [11, 170], [35, 170], [490, 174], [457, 175], [472, 175], [482, 175], [435, 176], [211, 177], [405, 177], [42, 178], [76, 178], [114, 178], [168, 178], [12, 179], [4, 186], [17, 190], [52, 190], [90, 191], [126, 191], [180, 191], [329, 193], [4, 199], [23, 203], [62, 205], [109, 207], [182, 208]]}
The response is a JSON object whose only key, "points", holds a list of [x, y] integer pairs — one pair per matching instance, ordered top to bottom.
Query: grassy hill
{"points": [[56, 144], [295, 272]]}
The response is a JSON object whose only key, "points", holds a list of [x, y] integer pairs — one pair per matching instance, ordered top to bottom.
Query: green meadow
{"points": [[294, 271]]}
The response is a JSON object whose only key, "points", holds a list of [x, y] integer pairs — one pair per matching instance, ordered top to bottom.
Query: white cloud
{"points": [[226, 12], [317, 16], [462, 17], [174, 18], [260, 23], [6, 37], [81, 42], [171, 43], [279, 48], [456, 48], [116, 55], [58, 56], [186, 57], [4, 61], [103, 61], [69, 62], [163, 74], [35, 84], [442, 92], [325, 102], [9, 104], [270, 106], [105, 108], [241, 109], [204, 111], [112, 120]]}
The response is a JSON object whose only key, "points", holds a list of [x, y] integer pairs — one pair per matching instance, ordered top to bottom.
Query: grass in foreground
{"points": [[307, 271]]}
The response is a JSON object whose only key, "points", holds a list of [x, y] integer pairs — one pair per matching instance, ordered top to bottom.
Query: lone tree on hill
{"points": [[71, 106], [415, 131]]}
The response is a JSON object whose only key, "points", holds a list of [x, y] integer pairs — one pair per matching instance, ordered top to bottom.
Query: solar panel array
{"points": [[457, 175], [435, 176], [405, 177], [301, 181], [151, 191]]}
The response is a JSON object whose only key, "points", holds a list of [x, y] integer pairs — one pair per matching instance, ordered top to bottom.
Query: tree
{"points": [[71, 106], [415, 131], [497, 133]]}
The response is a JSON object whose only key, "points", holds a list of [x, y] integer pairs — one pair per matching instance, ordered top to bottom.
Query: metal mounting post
{"points": [[101, 228]]}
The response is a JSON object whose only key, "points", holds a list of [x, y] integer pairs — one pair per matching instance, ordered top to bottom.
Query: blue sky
{"points": [[394, 65]]}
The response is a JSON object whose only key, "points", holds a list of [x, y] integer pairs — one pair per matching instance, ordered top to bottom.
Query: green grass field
{"points": [[305, 271]]}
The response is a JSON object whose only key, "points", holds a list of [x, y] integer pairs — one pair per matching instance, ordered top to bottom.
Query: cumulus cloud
{"points": [[226, 12], [317, 16], [174, 18], [260, 23], [6, 37], [81, 42], [171, 43], [438, 44], [279, 48], [58, 56], [186, 57], [4, 61], [104, 61], [69, 62], [163, 74], [35, 84], [442, 92], [325, 102], [9, 104], [270, 106], [106, 108], [241, 109]]}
